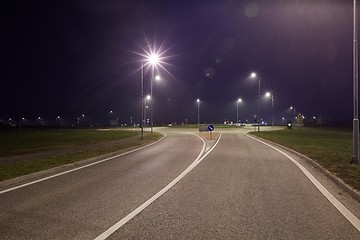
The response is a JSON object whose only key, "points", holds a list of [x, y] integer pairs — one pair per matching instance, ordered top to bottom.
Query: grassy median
{"points": [[331, 148], [29, 151]]}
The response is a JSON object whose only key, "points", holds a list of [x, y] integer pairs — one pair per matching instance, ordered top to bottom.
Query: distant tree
{"points": [[299, 119]]}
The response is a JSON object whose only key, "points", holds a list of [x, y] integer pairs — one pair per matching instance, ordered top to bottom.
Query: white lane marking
{"points": [[78, 168], [338, 205], [120, 223]]}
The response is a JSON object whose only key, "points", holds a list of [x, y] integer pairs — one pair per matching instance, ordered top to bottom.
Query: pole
{"points": [[142, 101], [151, 103], [272, 108], [237, 111], [145, 112], [198, 112], [259, 119], [355, 158]]}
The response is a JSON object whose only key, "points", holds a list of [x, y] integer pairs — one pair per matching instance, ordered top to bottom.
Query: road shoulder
{"points": [[344, 193]]}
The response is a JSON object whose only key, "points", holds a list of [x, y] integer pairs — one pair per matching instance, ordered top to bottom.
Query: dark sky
{"points": [[78, 57]]}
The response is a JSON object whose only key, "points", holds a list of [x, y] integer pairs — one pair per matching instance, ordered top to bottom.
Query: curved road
{"points": [[240, 189]]}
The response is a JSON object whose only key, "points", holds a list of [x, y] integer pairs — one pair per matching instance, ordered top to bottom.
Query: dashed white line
{"points": [[338, 205], [120, 223]]}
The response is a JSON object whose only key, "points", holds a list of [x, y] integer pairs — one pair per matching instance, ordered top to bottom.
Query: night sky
{"points": [[67, 58]]}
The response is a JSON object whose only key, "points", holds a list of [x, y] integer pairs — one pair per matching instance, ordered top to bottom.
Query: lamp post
{"points": [[153, 59], [253, 75], [157, 78], [269, 94], [148, 97], [142, 101], [198, 105], [237, 110], [294, 111], [110, 117], [59, 120], [145, 120], [21, 122], [355, 157]]}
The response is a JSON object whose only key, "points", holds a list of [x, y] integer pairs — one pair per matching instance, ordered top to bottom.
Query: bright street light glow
{"points": [[154, 55], [153, 59], [253, 75], [157, 78], [267, 94], [148, 97], [198, 100], [239, 100]]}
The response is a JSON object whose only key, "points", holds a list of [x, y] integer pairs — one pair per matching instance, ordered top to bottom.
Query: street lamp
{"points": [[153, 57], [153, 60], [253, 75], [157, 78], [269, 94], [148, 97], [142, 101], [198, 105], [237, 109], [294, 111], [110, 117], [59, 120], [80, 120], [145, 120], [40, 121], [21, 122], [355, 157]]}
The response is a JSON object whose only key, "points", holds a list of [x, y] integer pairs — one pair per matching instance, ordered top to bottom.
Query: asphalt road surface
{"points": [[239, 189]]}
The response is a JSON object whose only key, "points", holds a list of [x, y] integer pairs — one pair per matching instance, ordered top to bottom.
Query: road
{"points": [[239, 189]]}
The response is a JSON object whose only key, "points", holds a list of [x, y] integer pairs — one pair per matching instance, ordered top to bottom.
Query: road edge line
{"points": [[78, 168], [354, 193], [336, 203], [139, 209]]}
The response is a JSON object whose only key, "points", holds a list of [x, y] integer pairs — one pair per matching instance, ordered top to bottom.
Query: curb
{"points": [[339, 182]]}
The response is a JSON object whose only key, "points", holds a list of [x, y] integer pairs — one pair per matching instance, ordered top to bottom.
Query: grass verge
{"points": [[125, 140], [14, 143], [331, 148]]}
